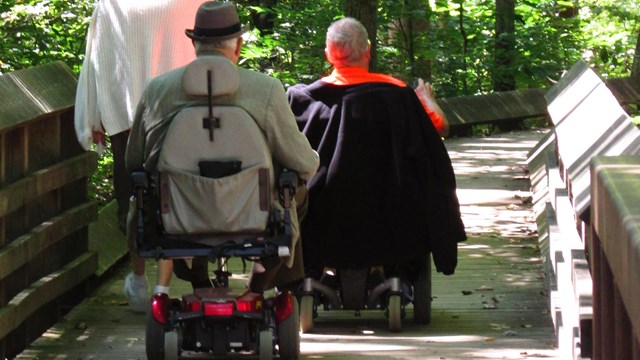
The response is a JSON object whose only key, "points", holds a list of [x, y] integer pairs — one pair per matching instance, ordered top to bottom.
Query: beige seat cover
{"points": [[193, 204]]}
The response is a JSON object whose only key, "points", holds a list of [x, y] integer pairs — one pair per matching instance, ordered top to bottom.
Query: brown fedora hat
{"points": [[216, 21]]}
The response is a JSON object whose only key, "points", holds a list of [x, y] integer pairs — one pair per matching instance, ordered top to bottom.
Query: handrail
{"points": [[589, 127], [615, 254]]}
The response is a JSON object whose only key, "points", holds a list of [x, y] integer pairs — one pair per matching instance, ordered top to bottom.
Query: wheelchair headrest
{"points": [[224, 79]]}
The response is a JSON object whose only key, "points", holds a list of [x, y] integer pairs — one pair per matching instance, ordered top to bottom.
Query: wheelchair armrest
{"points": [[140, 179], [288, 179], [287, 186]]}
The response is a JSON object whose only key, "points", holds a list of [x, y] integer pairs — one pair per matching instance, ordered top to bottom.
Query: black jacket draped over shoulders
{"points": [[385, 192]]}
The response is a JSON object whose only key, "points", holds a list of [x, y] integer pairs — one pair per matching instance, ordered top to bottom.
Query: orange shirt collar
{"points": [[353, 75]]}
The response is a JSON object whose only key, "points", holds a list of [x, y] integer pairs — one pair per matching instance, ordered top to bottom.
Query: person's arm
{"points": [[425, 93], [87, 120], [290, 147], [134, 156]]}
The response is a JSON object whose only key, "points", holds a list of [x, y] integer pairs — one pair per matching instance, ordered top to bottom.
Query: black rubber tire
{"points": [[422, 296], [289, 334], [154, 340]]}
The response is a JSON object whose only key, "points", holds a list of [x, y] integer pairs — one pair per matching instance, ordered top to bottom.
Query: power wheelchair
{"points": [[213, 198]]}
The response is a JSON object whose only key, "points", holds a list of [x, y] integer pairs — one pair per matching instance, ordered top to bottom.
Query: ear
{"points": [[239, 46], [327, 54]]}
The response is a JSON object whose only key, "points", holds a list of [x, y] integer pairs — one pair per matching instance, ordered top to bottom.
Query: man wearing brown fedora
{"points": [[218, 32]]}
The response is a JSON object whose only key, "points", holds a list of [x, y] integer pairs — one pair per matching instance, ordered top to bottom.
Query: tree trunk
{"points": [[366, 12], [263, 21], [418, 27], [465, 47], [635, 67], [503, 76]]}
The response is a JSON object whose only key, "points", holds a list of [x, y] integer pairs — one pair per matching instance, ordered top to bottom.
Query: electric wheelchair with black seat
{"points": [[213, 198], [382, 205]]}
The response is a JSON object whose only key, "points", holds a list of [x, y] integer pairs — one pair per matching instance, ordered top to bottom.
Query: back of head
{"points": [[217, 26], [347, 42]]}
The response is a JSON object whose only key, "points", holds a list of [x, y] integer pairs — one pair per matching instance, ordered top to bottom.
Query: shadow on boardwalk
{"points": [[494, 307]]}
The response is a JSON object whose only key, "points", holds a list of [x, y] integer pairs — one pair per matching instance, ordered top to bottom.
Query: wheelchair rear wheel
{"points": [[422, 296], [289, 335], [155, 346]]}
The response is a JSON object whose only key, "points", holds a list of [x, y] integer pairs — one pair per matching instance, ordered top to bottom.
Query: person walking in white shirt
{"points": [[128, 43]]}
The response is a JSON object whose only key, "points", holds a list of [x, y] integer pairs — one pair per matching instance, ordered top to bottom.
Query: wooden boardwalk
{"points": [[494, 307]]}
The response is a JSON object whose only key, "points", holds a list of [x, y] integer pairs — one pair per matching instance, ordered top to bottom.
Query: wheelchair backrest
{"points": [[215, 167]]}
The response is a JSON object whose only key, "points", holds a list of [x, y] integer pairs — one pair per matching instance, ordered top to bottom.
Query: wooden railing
{"points": [[510, 107], [589, 123], [44, 212], [615, 257]]}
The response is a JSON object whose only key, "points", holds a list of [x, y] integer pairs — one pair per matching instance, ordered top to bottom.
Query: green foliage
{"points": [[610, 29], [37, 32], [550, 36], [458, 44], [294, 51], [101, 181]]}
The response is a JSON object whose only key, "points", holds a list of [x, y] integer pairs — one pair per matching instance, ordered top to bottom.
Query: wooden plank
{"points": [[581, 81], [626, 90], [35, 92], [495, 107], [588, 122], [44, 140], [43, 181], [106, 239], [27, 246], [568, 275], [582, 288], [45, 290]]}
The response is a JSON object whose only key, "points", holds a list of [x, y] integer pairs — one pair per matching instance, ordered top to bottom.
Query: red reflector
{"points": [[250, 302], [191, 303], [283, 305], [192, 306], [250, 306], [160, 307], [219, 309]]}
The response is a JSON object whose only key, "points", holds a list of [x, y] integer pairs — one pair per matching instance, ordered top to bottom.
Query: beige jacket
{"points": [[263, 97]]}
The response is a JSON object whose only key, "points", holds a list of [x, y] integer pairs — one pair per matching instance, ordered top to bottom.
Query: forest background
{"points": [[463, 47]]}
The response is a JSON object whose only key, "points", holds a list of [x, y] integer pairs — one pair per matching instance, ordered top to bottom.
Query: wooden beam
{"points": [[524, 104], [495, 107], [46, 180], [23, 249], [43, 291]]}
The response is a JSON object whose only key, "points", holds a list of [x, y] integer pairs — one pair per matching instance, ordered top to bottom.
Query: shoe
{"points": [[137, 293]]}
